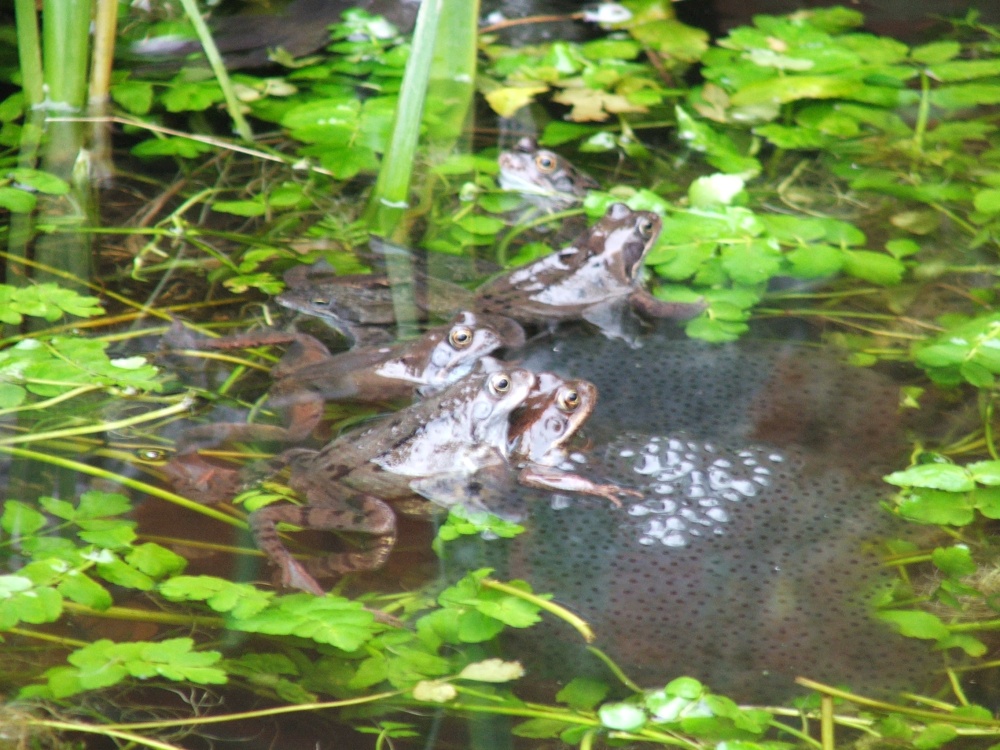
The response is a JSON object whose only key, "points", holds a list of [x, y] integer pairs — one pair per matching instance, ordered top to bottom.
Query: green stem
{"points": [[65, 37], [29, 50], [233, 105], [389, 197], [34, 437], [134, 484], [563, 614], [145, 615], [623, 678], [916, 713], [201, 720], [73, 726]]}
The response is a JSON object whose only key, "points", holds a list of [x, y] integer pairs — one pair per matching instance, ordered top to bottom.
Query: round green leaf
{"points": [[947, 477]]}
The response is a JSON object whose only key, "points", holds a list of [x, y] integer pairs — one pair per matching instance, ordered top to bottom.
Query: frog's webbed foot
{"points": [[646, 304], [192, 476], [550, 478], [357, 512]]}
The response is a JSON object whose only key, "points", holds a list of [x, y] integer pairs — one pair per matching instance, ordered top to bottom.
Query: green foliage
{"points": [[47, 301], [966, 352], [105, 663]]}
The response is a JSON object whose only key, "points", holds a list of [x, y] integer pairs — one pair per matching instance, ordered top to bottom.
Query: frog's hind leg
{"points": [[357, 512]]}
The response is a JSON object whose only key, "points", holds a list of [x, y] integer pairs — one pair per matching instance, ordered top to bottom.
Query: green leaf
{"points": [[936, 52], [793, 88], [966, 95], [191, 96], [135, 97], [184, 148], [43, 182], [16, 200], [988, 201], [240, 208], [481, 224], [815, 261], [752, 263], [878, 268], [985, 472], [948, 477], [987, 501], [937, 507], [20, 519], [155, 561], [954, 561], [117, 572], [82, 589], [240, 599], [324, 619], [915, 624], [969, 644], [582, 693], [624, 717], [539, 728], [934, 735]]}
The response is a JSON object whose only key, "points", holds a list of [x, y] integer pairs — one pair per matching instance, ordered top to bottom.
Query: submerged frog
{"points": [[544, 178], [598, 279], [362, 307], [308, 375], [346, 484]]}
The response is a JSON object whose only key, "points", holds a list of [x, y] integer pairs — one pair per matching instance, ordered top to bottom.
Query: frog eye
{"points": [[545, 163], [645, 228], [460, 337], [499, 384], [569, 399]]}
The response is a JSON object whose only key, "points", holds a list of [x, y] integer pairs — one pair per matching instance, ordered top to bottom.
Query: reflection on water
{"points": [[747, 561]]}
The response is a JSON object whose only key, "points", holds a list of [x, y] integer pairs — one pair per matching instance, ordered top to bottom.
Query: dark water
{"points": [[750, 559]]}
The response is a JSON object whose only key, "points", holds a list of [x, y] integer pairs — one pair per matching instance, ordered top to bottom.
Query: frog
{"points": [[545, 179], [597, 278], [363, 307], [309, 375], [541, 432], [540, 457], [349, 483]]}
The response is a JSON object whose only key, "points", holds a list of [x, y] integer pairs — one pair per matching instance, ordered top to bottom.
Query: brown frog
{"points": [[544, 178], [598, 279], [362, 307], [308, 375], [540, 432], [540, 435], [346, 484]]}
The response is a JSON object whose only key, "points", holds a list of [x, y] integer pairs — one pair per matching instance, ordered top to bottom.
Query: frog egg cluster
{"points": [[691, 485]]}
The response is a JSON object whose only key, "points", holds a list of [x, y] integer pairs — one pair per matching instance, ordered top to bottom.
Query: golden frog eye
{"points": [[545, 163], [645, 228], [460, 337], [499, 384], [569, 399]]}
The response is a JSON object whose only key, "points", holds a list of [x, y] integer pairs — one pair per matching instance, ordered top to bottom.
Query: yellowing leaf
{"points": [[506, 101], [589, 104], [493, 670], [434, 691]]}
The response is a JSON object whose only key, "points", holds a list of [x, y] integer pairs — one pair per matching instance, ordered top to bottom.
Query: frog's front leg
{"points": [[549, 478], [356, 512]]}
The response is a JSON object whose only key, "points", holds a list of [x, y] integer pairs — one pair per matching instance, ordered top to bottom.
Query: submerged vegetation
{"points": [[813, 171]]}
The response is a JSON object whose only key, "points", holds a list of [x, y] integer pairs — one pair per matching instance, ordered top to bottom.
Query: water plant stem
{"points": [[29, 50], [233, 106], [149, 489]]}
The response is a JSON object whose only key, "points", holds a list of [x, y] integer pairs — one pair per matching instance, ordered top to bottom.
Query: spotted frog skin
{"points": [[543, 177], [597, 278], [308, 375], [346, 484]]}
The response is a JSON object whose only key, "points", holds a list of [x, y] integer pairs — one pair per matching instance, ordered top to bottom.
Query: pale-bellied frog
{"points": [[544, 178], [598, 279], [308, 375], [452, 434], [540, 435]]}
